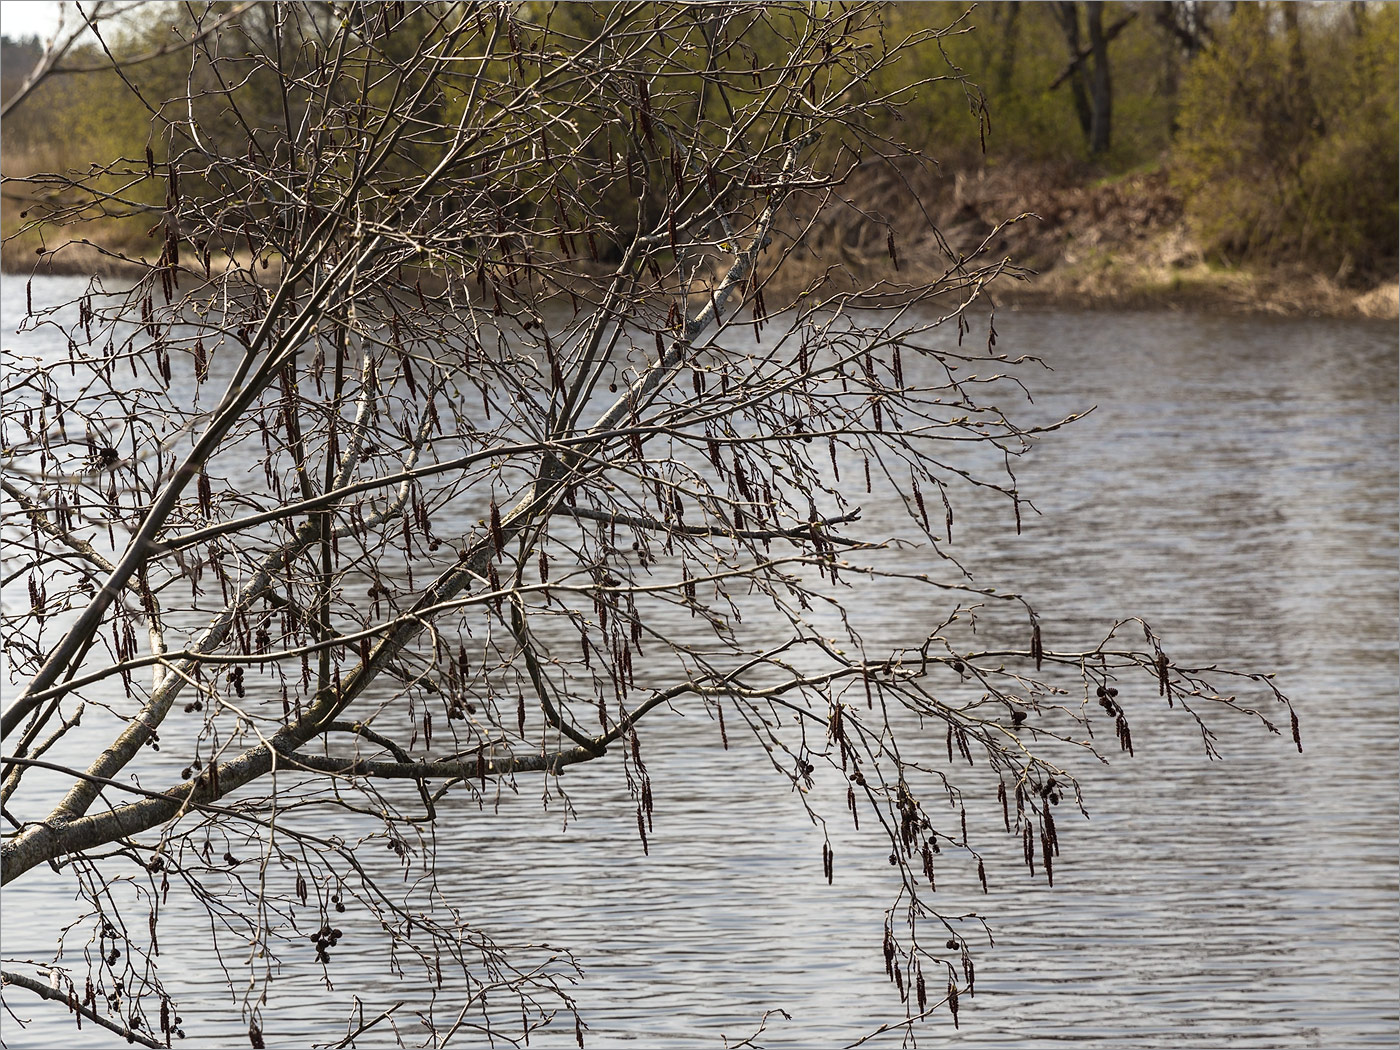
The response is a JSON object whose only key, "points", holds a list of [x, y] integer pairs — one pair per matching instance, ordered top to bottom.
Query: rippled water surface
{"points": [[1236, 486]]}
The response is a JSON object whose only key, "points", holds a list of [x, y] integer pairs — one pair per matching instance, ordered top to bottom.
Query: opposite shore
{"points": [[1121, 244]]}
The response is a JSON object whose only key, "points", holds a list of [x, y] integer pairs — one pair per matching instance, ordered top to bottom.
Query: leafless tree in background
{"points": [[489, 400]]}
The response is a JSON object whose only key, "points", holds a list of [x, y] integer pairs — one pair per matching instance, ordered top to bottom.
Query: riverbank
{"points": [[1123, 243], [1111, 244], [1126, 244], [88, 258]]}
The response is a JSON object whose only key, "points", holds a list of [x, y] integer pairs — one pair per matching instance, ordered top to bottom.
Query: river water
{"points": [[1236, 485]]}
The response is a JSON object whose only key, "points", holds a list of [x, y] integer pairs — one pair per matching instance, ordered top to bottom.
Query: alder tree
{"points": [[502, 381]]}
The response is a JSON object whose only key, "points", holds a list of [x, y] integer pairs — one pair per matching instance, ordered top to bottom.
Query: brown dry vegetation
{"points": [[1123, 243]]}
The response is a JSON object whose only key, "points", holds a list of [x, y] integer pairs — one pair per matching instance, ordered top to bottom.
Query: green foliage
{"points": [[1007, 112], [69, 124], [1281, 133], [1287, 147]]}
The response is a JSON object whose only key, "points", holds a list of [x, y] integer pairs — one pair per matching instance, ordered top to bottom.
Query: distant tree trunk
{"points": [[1068, 13], [1359, 17], [1185, 21], [1186, 29], [1010, 32], [1092, 93], [1305, 105], [1101, 123]]}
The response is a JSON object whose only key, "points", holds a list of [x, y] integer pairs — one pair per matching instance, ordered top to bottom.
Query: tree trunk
{"points": [[1067, 11], [1010, 32], [1305, 111], [1101, 125]]}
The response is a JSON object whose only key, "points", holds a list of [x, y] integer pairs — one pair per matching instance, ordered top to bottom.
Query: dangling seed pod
{"points": [[919, 502], [498, 536], [493, 580]]}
